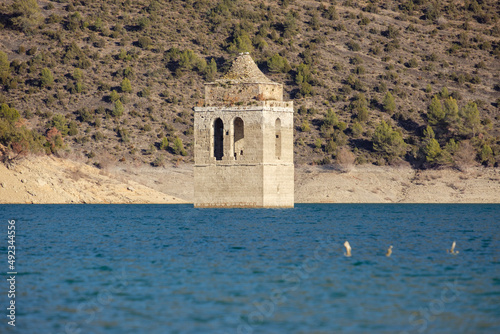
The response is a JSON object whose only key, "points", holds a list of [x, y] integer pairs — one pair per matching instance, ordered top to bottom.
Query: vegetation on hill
{"points": [[372, 81]]}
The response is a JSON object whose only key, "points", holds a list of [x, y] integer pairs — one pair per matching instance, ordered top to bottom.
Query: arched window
{"points": [[239, 136], [218, 139], [277, 146]]}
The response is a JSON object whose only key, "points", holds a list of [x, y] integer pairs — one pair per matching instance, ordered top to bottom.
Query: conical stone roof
{"points": [[244, 70]]}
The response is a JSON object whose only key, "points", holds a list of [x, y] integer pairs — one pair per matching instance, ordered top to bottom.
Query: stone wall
{"points": [[243, 147], [259, 177], [228, 186]]}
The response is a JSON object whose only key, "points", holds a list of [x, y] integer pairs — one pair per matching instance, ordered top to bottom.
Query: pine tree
{"points": [[241, 43], [278, 64], [4, 68], [211, 70], [46, 78], [126, 85], [114, 96], [388, 104], [360, 107], [450, 108], [118, 109], [436, 114], [11, 115], [331, 118], [470, 122], [60, 123], [305, 127], [357, 129], [429, 134], [388, 142], [164, 144], [331, 146], [179, 147], [432, 151], [486, 155]]}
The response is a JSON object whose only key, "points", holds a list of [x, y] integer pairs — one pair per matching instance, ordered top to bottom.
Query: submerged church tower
{"points": [[243, 141]]}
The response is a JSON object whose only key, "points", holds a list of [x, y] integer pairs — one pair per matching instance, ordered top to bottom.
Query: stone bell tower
{"points": [[243, 141]]}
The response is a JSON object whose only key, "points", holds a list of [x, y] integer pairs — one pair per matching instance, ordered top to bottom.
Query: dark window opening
{"points": [[239, 136], [218, 139], [277, 145]]}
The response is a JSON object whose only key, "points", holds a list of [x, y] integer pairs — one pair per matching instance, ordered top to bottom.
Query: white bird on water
{"points": [[347, 249], [452, 250], [389, 251]]}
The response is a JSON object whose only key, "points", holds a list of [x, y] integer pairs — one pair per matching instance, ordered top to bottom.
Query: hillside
{"points": [[116, 81]]}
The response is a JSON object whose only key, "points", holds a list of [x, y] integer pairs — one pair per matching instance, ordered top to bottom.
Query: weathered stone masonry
{"points": [[244, 141]]}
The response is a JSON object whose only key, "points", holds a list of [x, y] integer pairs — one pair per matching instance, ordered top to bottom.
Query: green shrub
{"points": [[331, 13], [27, 15], [364, 21], [143, 22], [144, 42], [241, 43], [353, 46], [412, 63], [278, 64], [4, 68], [211, 70], [360, 70], [128, 72], [77, 74], [46, 78], [126, 86], [114, 96], [388, 105], [359, 106], [450, 108], [118, 109], [8, 114], [435, 114], [84, 115], [331, 118], [469, 121], [60, 123], [305, 127], [73, 128], [357, 129], [123, 134], [98, 136], [16, 137], [54, 141], [388, 142], [164, 144], [318, 144], [331, 146], [178, 147], [486, 155], [158, 162]]}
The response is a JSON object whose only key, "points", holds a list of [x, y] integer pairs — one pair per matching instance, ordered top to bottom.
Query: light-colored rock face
{"points": [[244, 142]]}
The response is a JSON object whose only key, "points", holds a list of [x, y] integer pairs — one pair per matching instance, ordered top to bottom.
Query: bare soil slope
{"points": [[42, 180], [55, 180], [370, 184]]}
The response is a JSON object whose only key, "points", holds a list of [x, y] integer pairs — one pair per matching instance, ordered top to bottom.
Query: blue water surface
{"points": [[176, 269]]}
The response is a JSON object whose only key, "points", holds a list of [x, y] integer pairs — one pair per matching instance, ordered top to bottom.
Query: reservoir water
{"points": [[175, 269]]}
